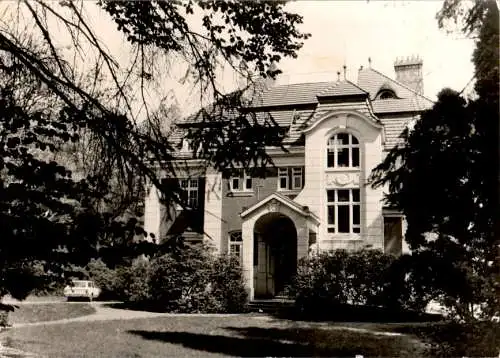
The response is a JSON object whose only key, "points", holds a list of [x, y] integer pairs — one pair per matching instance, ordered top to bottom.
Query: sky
{"points": [[349, 32], [342, 33]]}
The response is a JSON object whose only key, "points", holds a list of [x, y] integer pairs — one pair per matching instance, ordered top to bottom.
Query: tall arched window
{"points": [[343, 151]]}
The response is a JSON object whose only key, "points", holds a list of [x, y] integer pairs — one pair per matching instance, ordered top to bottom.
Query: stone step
{"points": [[271, 305]]}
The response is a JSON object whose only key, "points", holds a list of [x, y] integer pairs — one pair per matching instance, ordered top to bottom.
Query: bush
{"points": [[365, 277], [106, 279], [188, 280], [134, 281], [179, 281], [227, 285], [453, 339]]}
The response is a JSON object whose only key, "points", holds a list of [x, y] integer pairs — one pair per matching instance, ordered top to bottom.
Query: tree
{"points": [[49, 98], [445, 180]]}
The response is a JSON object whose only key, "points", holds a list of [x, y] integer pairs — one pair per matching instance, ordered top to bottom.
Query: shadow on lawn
{"points": [[352, 313], [295, 342]]}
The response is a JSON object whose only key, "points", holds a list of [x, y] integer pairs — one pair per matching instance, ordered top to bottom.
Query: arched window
{"points": [[386, 94], [343, 151]]}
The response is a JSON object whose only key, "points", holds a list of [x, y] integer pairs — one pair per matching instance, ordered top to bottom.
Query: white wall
{"points": [[316, 173], [152, 212], [212, 226]]}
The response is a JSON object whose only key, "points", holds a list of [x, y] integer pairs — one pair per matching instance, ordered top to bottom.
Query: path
{"points": [[105, 313]]}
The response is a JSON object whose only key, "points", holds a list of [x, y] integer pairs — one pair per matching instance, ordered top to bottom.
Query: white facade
{"points": [[319, 198]]}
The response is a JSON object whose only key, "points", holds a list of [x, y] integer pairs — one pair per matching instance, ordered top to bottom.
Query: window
{"points": [[386, 94], [343, 151], [282, 178], [296, 178], [285, 182], [241, 183], [190, 191], [343, 211], [236, 244]]}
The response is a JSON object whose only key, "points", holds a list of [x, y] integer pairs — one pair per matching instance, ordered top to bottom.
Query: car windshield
{"points": [[80, 283]]}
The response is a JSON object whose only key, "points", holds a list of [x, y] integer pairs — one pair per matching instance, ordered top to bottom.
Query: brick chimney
{"points": [[409, 72]]}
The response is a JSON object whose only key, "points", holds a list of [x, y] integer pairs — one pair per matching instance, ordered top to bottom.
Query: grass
{"points": [[28, 313], [244, 335]]}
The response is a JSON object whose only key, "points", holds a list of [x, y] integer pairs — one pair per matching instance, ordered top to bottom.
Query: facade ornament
{"points": [[342, 179], [273, 206]]}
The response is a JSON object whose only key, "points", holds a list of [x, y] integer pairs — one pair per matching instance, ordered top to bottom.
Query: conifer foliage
{"points": [[445, 180]]}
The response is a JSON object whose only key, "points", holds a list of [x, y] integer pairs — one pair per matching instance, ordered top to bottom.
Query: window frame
{"points": [[386, 93], [334, 148], [297, 172], [283, 174], [242, 186], [189, 189], [333, 228], [235, 240]]}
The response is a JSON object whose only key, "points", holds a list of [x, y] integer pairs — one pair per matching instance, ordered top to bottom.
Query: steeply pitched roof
{"points": [[372, 81], [342, 88], [293, 94], [407, 99], [393, 105], [297, 106], [393, 127]]}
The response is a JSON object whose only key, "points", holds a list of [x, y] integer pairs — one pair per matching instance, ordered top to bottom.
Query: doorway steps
{"points": [[272, 305]]}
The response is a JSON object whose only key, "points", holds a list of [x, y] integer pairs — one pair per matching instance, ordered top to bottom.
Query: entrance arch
{"points": [[282, 227], [275, 254]]}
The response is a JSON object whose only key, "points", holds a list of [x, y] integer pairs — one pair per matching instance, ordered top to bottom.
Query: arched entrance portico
{"points": [[276, 233], [275, 254]]}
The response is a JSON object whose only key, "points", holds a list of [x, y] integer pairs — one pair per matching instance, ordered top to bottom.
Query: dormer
{"points": [[386, 92]]}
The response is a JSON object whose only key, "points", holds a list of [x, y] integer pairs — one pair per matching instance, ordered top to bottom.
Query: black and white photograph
{"points": [[249, 178]]}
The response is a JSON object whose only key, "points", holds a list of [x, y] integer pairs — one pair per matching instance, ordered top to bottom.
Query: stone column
{"points": [[152, 213], [212, 226], [248, 237], [302, 239], [405, 246]]}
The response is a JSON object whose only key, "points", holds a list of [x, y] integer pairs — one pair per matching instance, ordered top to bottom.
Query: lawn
{"points": [[27, 313], [244, 335]]}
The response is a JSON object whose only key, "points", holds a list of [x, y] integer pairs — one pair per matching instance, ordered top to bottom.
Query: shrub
{"points": [[365, 277], [105, 278], [187, 280], [133, 281], [179, 281], [227, 285], [453, 339]]}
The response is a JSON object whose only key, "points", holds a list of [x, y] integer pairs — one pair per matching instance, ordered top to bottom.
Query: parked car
{"points": [[82, 289]]}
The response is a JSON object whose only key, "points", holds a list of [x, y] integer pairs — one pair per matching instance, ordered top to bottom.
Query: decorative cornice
{"points": [[347, 114]]}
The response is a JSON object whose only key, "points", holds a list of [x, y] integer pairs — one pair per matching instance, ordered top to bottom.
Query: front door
{"points": [[275, 257], [263, 269]]}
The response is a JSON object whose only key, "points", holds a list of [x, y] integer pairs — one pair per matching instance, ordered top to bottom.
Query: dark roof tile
{"points": [[342, 88]]}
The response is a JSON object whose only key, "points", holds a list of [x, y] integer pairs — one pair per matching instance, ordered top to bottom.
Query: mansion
{"points": [[316, 198]]}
